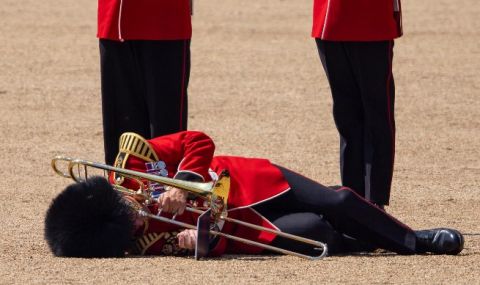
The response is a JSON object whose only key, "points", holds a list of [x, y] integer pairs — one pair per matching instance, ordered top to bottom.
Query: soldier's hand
{"points": [[173, 201], [187, 239]]}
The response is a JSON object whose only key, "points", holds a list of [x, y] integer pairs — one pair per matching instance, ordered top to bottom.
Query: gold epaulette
{"points": [[132, 143], [136, 145]]}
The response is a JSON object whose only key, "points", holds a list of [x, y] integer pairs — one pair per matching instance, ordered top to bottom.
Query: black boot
{"points": [[439, 241]]}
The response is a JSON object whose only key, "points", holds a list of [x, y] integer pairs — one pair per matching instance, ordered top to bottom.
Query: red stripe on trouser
{"points": [[182, 94], [389, 104]]}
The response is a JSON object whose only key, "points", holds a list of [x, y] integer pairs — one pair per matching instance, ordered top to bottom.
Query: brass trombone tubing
{"points": [[55, 168], [200, 188], [239, 239], [321, 245]]}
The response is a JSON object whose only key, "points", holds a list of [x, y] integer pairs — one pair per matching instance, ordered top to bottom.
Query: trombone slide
{"points": [[320, 245]]}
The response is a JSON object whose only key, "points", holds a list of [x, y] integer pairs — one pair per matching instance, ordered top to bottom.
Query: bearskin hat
{"points": [[89, 219]]}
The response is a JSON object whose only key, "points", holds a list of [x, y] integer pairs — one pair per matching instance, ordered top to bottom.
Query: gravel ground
{"points": [[258, 89]]}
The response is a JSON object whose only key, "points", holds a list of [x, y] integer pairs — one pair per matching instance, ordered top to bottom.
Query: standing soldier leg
{"points": [[166, 68], [373, 68], [123, 107], [347, 111]]}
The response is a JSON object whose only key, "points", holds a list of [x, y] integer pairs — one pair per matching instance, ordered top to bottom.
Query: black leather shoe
{"points": [[439, 241]]}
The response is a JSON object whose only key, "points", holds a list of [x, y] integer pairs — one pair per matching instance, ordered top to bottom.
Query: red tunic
{"points": [[144, 19], [356, 20], [189, 155]]}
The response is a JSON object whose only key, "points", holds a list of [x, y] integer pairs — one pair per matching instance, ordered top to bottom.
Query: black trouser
{"points": [[144, 89], [363, 91], [321, 213]]}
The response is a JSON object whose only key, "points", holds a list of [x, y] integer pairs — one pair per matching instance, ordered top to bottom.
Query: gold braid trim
{"points": [[132, 144], [146, 241], [169, 245]]}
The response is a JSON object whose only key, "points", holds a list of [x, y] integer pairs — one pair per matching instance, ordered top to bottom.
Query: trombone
{"points": [[215, 193]]}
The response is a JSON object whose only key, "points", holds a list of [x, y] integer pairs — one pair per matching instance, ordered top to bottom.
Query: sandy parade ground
{"points": [[258, 89]]}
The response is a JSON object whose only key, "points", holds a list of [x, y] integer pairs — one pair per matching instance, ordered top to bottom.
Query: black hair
{"points": [[89, 219]]}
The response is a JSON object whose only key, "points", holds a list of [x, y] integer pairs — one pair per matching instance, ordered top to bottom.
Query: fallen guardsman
{"points": [[92, 219]]}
